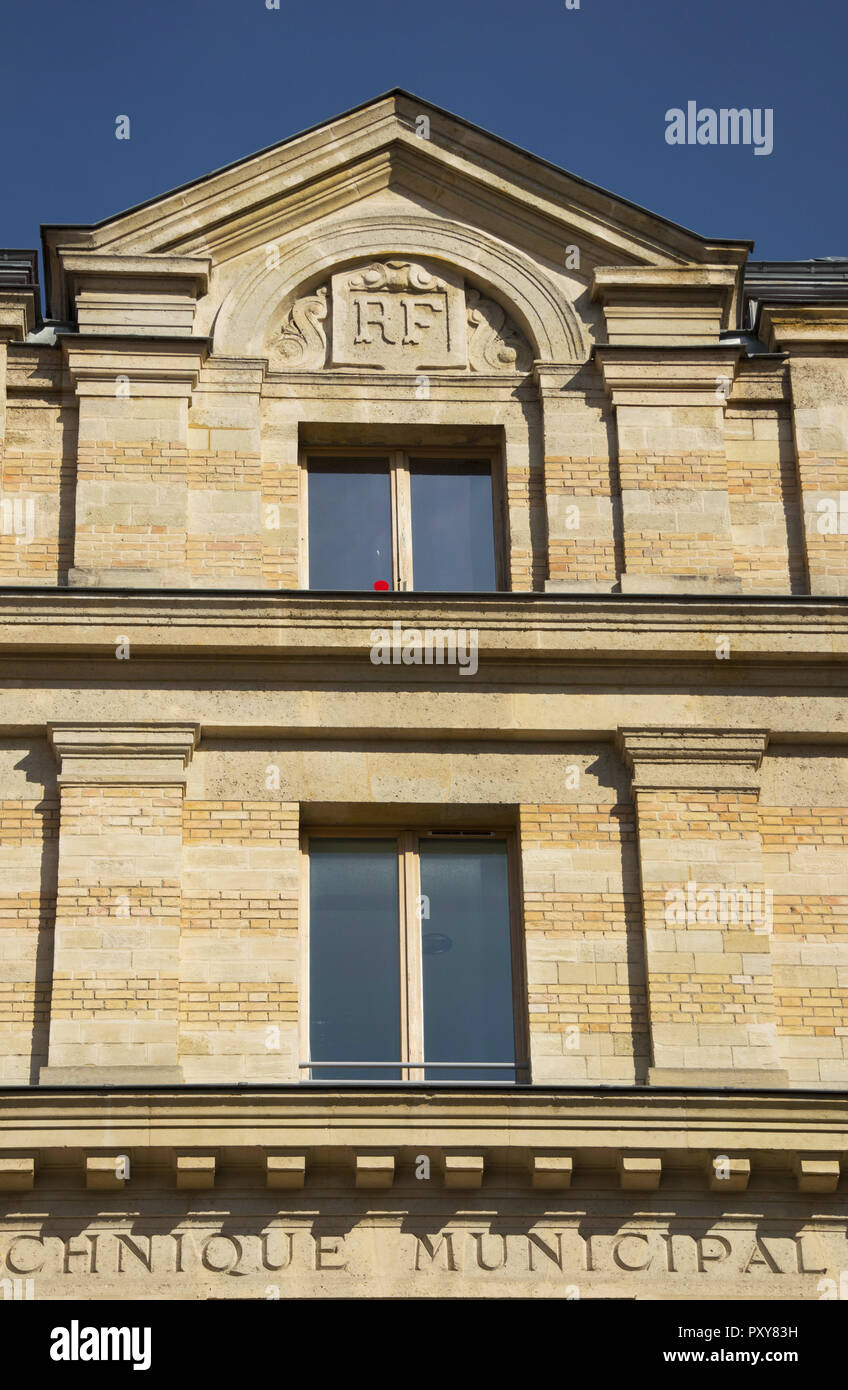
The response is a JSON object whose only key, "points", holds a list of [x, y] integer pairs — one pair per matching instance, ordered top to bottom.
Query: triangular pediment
{"points": [[394, 147]]}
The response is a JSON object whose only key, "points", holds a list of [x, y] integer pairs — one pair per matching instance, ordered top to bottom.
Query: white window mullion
{"points": [[402, 520], [411, 934]]}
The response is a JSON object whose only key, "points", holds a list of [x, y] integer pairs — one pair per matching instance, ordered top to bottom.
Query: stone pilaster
{"points": [[816, 338], [132, 467], [579, 501], [675, 503], [706, 913], [114, 1008]]}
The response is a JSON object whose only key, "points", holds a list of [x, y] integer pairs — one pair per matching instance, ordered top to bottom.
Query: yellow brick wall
{"points": [[28, 836], [805, 852], [239, 943], [586, 995]]}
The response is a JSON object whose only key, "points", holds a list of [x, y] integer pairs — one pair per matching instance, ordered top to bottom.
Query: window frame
{"points": [[399, 461], [412, 1059]]}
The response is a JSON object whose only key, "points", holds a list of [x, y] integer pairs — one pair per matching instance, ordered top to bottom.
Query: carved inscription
{"points": [[398, 315], [402, 316], [559, 1261]]}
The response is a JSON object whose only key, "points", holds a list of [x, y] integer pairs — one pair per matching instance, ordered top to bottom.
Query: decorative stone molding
{"points": [[400, 315], [248, 319], [784, 327], [302, 341], [494, 342], [122, 754], [661, 757]]}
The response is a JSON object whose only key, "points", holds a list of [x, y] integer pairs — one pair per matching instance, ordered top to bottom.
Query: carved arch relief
{"points": [[398, 315], [250, 316]]}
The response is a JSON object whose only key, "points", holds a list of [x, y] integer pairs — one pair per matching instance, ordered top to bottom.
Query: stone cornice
{"points": [[522, 626], [142, 754], [790, 1141]]}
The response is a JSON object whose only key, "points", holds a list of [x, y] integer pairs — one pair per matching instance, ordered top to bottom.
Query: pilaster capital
{"points": [[154, 366], [675, 376], [141, 754], [693, 758]]}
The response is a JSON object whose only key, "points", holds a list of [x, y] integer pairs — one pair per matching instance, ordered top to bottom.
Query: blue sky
{"points": [[205, 82]]}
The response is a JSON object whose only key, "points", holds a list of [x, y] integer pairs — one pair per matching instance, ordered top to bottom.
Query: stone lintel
{"points": [[151, 754]]}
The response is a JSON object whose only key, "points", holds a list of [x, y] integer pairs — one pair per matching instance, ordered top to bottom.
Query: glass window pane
{"points": [[350, 524], [453, 541], [465, 944], [354, 957]]}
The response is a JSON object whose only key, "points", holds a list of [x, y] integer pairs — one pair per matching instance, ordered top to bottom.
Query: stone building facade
{"points": [[423, 625]]}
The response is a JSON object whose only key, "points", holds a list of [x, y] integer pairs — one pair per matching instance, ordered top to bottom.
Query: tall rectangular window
{"points": [[401, 521], [350, 525], [410, 959]]}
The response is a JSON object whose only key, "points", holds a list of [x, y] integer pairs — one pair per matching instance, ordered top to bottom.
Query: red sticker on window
{"points": [[381, 583]]}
